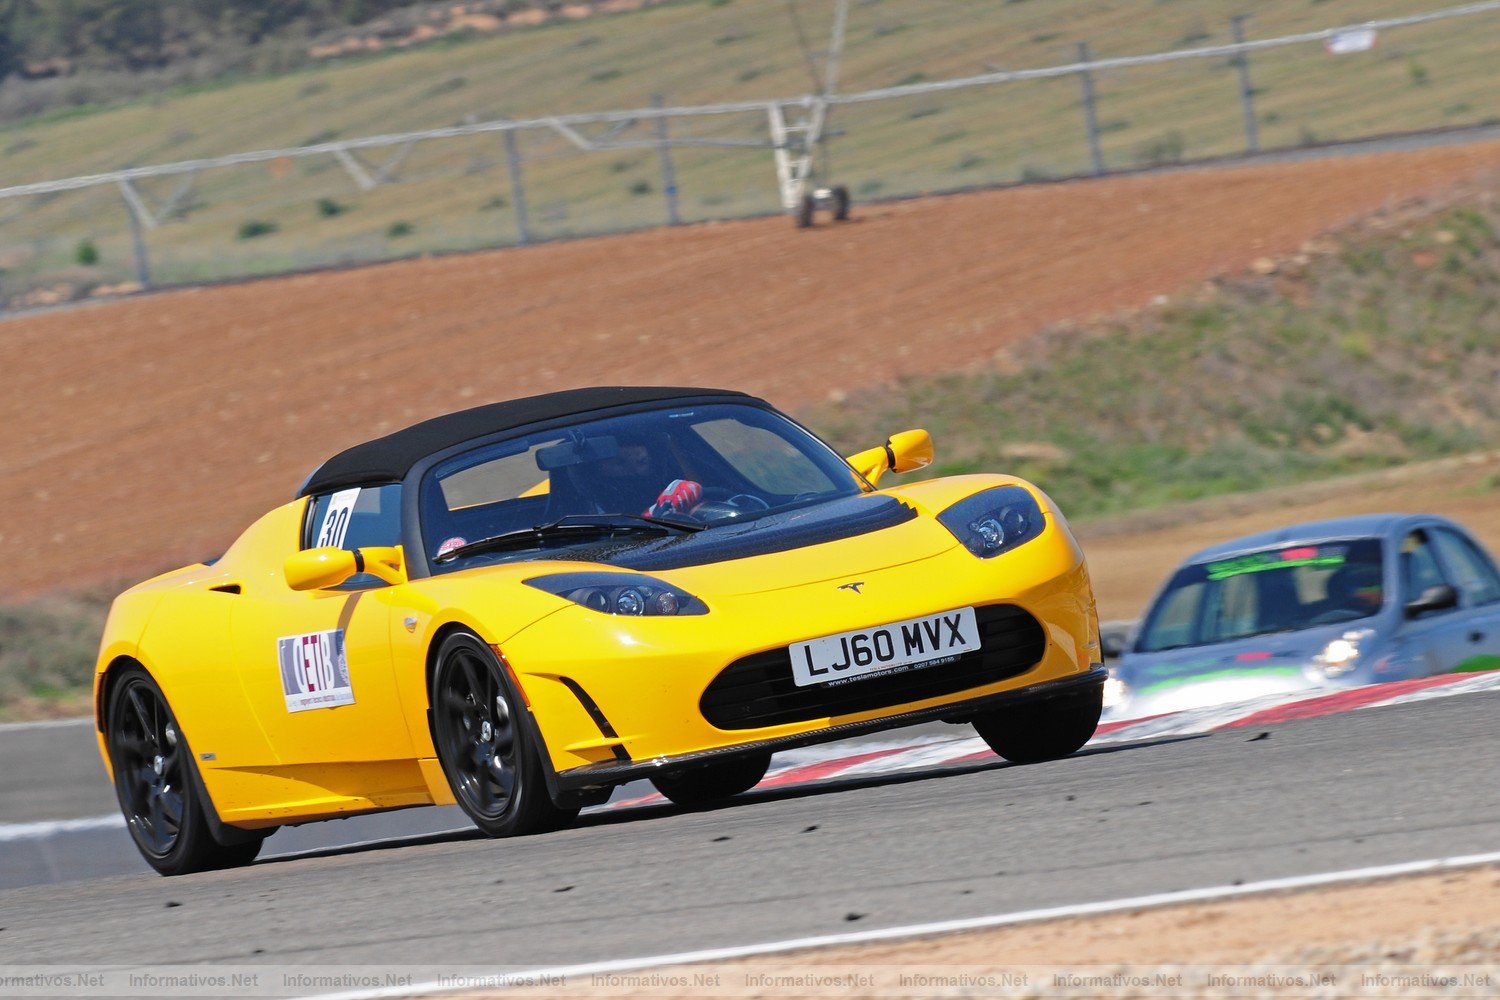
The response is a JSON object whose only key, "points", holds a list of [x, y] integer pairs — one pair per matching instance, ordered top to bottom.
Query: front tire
{"points": [[805, 210], [1046, 730], [492, 765], [712, 782], [156, 783]]}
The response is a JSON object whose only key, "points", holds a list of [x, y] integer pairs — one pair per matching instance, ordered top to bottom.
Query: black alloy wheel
{"points": [[1044, 730], [493, 767], [712, 782], [157, 786]]}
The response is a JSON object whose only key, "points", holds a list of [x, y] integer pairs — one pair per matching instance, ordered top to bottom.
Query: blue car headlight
{"points": [[994, 521], [630, 594]]}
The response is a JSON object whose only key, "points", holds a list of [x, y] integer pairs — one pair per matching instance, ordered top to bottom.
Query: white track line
{"points": [[17, 727], [52, 827], [943, 927]]}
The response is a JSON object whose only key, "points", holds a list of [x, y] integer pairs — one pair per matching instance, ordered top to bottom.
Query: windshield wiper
{"points": [[579, 526]]}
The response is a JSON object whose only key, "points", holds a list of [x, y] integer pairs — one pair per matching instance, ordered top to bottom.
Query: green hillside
{"points": [[455, 194], [1377, 348]]}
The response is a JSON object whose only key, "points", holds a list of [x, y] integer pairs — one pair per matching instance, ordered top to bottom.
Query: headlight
{"points": [[994, 521], [629, 594], [1342, 654], [1116, 692]]}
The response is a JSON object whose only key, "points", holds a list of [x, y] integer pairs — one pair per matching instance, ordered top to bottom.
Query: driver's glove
{"points": [[680, 497]]}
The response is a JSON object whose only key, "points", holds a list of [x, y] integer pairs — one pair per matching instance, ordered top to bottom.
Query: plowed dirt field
{"points": [[145, 433]]}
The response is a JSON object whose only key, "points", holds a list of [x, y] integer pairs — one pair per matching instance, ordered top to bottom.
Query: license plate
{"points": [[916, 642]]}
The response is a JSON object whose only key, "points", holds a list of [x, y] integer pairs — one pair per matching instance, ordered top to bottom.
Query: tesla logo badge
{"points": [[852, 586], [411, 624]]}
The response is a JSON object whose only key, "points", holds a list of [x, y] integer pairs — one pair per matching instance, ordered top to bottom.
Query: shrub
{"points": [[447, 86], [1163, 149], [328, 208], [252, 228], [396, 230], [87, 253], [48, 649]]}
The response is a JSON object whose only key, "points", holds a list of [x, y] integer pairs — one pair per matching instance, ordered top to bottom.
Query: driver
{"points": [[631, 480], [1356, 587]]}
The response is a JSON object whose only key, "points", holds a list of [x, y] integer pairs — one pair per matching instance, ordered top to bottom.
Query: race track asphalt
{"points": [[1370, 787]]}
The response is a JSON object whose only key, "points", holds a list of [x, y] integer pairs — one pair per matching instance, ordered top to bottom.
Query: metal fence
{"points": [[492, 183]]}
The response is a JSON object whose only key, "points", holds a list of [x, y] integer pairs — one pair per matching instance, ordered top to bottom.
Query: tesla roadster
{"points": [[521, 606]]}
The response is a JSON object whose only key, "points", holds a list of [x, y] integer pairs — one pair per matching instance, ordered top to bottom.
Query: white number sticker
{"points": [[336, 521], [314, 671]]}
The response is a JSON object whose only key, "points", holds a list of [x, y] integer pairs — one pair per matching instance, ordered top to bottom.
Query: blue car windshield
{"points": [[646, 473], [1273, 590]]}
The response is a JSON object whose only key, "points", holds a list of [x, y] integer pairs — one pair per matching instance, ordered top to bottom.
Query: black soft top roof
{"points": [[390, 458]]}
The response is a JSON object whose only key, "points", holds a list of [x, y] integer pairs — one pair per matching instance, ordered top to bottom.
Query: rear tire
{"points": [[840, 204], [1045, 730], [490, 760], [156, 782], [712, 782]]}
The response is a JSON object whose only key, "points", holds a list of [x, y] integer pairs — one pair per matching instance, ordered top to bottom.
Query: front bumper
{"points": [[610, 693], [618, 772]]}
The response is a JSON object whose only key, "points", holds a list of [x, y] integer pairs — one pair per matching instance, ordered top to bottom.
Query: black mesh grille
{"points": [[758, 690]]}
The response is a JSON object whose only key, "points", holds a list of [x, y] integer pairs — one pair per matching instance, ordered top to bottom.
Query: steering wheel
{"points": [[748, 502], [720, 504]]}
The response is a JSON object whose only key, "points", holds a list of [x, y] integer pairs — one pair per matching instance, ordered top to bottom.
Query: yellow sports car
{"points": [[520, 606]]}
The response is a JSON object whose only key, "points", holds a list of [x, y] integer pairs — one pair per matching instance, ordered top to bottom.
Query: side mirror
{"points": [[904, 452], [321, 568], [1438, 598], [1113, 640]]}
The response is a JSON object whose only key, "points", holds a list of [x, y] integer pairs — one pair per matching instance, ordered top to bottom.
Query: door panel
{"points": [[1426, 640], [1474, 642], [316, 665], [314, 705]]}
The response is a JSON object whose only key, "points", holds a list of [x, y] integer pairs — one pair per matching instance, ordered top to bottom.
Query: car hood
{"points": [[836, 540]]}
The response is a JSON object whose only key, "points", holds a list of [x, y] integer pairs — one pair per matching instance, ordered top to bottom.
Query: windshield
{"points": [[699, 466], [1275, 590]]}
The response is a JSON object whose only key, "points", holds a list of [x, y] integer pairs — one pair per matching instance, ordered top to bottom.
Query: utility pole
{"points": [[1247, 92], [1090, 115], [668, 175], [517, 188], [137, 240]]}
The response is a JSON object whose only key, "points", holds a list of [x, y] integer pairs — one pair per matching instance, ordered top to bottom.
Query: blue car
{"points": [[1317, 606]]}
